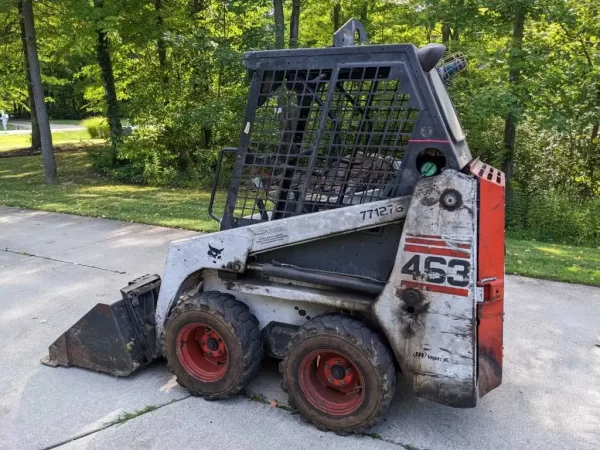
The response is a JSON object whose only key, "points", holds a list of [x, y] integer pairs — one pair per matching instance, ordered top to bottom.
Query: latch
{"points": [[492, 289]]}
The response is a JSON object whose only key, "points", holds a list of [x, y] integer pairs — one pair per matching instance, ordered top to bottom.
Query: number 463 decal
{"points": [[435, 268]]}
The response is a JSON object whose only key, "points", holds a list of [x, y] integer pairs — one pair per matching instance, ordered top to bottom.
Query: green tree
{"points": [[26, 10], [279, 23], [294, 23], [515, 62], [106, 68], [36, 142]]}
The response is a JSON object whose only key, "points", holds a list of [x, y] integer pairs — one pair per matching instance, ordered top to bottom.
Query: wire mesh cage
{"points": [[452, 65], [323, 139]]}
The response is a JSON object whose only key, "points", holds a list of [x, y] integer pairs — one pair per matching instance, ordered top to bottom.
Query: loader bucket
{"points": [[115, 338]]}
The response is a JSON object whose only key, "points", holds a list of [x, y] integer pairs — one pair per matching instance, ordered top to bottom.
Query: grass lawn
{"points": [[65, 121], [76, 122], [10, 142], [81, 192], [84, 193], [553, 261]]}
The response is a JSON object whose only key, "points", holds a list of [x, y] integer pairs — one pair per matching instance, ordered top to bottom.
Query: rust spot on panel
{"points": [[428, 201], [414, 301], [414, 304], [104, 309], [489, 372], [447, 390]]}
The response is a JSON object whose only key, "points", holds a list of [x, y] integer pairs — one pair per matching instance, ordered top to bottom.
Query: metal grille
{"points": [[323, 139]]}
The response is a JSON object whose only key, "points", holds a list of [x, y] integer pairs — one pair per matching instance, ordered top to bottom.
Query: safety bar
{"points": [[216, 181]]}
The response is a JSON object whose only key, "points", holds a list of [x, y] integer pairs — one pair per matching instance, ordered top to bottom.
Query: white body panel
{"points": [[228, 250], [267, 303], [292, 304], [435, 338]]}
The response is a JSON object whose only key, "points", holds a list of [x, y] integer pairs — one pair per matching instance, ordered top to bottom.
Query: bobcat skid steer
{"points": [[359, 242]]}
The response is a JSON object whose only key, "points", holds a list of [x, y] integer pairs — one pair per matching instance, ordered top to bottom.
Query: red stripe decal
{"points": [[436, 242], [436, 251], [435, 288]]}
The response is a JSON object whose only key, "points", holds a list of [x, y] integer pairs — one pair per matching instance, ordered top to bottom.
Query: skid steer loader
{"points": [[359, 241]]}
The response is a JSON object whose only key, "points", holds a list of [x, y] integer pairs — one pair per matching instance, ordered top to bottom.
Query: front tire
{"points": [[213, 344], [339, 374]]}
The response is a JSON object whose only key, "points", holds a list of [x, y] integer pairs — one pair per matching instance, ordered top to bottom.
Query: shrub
{"points": [[97, 127], [150, 156], [554, 217]]}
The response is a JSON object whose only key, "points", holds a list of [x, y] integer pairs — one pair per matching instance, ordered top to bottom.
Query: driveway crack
{"points": [[112, 238], [48, 258], [275, 404], [125, 417]]}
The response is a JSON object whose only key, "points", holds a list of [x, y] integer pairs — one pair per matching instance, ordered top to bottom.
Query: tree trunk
{"points": [[196, 6], [363, 14], [337, 15], [279, 23], [294, 23], [446, 33], [161, 45], [514, 78], [108, 80], [38, 93], [207, 131], [510, 134], [36, 144], [593, 158]]}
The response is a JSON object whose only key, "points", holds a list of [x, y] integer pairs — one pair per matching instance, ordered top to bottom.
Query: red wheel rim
{"points": [[202, 352], [331, 382]]}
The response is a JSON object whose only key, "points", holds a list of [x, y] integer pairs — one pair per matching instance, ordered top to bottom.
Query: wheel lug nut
{"points": [[326, 367], [348, 372], [330, 380], [343, 383]]}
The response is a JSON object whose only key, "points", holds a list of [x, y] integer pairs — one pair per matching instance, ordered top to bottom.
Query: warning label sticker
{"points": [[275, 235]]}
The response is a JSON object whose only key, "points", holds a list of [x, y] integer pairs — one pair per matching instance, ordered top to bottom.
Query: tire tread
{"points": [[244, 324], [357, 332]]}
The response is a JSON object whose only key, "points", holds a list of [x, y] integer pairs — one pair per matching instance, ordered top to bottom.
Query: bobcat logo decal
{"points": [[215, 253]]}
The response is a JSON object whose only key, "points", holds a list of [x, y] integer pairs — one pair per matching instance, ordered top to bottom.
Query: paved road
{"points": [[24, 127], [54, 267]]}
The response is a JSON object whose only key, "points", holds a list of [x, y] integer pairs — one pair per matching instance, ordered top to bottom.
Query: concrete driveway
{"points": [[54, 267]]}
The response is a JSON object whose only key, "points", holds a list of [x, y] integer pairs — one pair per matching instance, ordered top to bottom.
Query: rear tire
{"points": [[213, 344], [339, 374]]}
